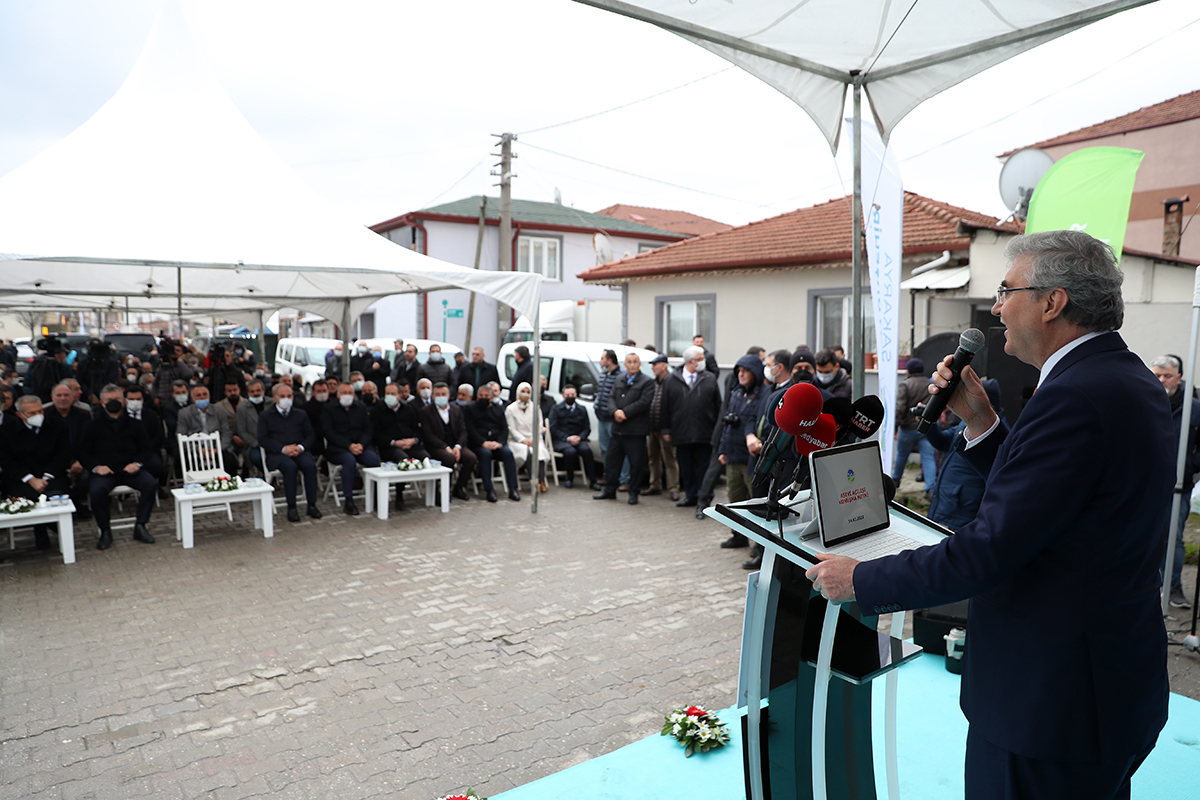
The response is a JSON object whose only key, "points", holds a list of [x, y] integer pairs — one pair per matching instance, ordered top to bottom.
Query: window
{"points": [[646, 248], [540, 255], [832, 314], [682, 320], [576, 373]]}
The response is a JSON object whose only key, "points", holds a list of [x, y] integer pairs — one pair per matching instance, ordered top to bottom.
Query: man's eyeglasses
{"points": [[1002, 292]]}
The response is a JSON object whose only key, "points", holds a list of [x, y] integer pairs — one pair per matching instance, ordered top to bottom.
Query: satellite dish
{"points": [[1020, 176], [557, 196], [603, 248]]}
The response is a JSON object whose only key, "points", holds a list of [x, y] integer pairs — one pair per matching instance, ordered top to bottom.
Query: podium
{"points": [[807, 666]]}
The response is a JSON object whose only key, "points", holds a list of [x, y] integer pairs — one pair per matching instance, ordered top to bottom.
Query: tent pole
{"points": [[856, 269], [179, 298], [262, 338], [346, 341], [534, 454]]}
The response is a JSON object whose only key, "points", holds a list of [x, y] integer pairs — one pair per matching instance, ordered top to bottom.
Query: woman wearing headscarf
{"points": [[520, 431]]}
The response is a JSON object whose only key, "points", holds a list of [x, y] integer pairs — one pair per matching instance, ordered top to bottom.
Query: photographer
{"points": [[98, 367], [172, 368], [47, 369]]}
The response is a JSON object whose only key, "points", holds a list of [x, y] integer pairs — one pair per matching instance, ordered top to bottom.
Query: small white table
{"points": [[378, 479], [260, 496], [43, 516]]}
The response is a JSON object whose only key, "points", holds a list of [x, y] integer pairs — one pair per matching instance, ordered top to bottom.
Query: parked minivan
{"points": [[304, 359], [576, 363]]}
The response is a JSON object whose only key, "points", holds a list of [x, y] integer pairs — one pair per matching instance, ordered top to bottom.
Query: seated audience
{"points": [[487, 431], [444, 432], [286, 434], [349, 440], [115, 450], [34, 457]]}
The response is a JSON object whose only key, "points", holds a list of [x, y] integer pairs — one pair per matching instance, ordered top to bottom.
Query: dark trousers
{"points": [[621, 447], [396, 454], [573, 454], [505, 457], [368, 458], [693, 461], [466, 462], [289, 466], [709, 483], [100, 485], [993, 773]]}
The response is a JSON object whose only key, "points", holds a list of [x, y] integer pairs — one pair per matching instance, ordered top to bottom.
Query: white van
{"points": [[304, 359], [576, 363]]}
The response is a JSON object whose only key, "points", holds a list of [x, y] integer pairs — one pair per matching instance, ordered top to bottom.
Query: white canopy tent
{"points": [[900, 54], [167, 200]]}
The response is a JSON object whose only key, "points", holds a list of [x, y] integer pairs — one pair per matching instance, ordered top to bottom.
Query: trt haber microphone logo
{"points": [[850, 475]]}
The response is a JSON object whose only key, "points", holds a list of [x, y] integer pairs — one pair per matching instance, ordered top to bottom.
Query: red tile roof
{"points": [[1177, 109], [677, 221], [808, 238]]}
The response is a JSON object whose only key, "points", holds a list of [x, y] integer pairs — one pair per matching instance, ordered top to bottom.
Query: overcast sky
{"points": [[387, 107]]}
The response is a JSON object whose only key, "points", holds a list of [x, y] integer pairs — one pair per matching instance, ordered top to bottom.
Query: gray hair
{"points": [[1084, 267], [692, 352], [1168, 362], [112, 388], [28, 400]]}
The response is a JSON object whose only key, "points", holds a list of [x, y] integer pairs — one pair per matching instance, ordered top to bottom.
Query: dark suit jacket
{"points": [[524, 374], [476, 375], [634, 399], [569, 421], [403, 423], [486, 424], [346, 426], [275, 431], [436, 435], [114, 443], [26, 452], [1066, 654]]}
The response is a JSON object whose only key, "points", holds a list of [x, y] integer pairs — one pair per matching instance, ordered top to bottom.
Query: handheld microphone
{"points": [[970, 343], [840, 409], [796, 410], [866, 416]]}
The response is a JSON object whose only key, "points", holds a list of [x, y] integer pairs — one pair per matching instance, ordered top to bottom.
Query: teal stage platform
{"points": [[931, 731]]}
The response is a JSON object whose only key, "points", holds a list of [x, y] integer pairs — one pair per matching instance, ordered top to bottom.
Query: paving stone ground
{"points": [[354, 658]]}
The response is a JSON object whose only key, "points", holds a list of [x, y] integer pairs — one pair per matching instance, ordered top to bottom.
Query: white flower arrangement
{"points": [[412, 464], [223, 484], [16, 505], [696, 729]]}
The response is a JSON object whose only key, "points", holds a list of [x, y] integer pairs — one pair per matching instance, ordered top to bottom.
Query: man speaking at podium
{"points": [[1065, 679]]}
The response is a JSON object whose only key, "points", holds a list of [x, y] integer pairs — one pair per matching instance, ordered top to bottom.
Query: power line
{"points": [[626, 105]]}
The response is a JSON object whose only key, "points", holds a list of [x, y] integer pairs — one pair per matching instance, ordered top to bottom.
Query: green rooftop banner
{"points": [[1088, 190]]}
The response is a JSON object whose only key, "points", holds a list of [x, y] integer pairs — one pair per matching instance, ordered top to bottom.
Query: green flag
{"points": [[1088, 190]]}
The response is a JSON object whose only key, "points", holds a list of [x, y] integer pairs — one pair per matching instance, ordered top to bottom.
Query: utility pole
{"points": [[506, 176], [478, 255]]}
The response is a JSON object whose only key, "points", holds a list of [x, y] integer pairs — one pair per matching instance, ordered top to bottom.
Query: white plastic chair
{"points": [[201, 461], [271, 476]]}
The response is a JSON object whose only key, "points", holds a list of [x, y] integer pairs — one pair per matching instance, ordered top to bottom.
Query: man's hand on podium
{"points": [[833, 577]]}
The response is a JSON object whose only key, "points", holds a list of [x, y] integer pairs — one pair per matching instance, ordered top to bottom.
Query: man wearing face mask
{"points": [[361, 358], [333, 362], [804, 365], [173, 367], [435, 367], [377, 368], [830, 376], [357, 381], [424, 393], [466, 394], [370, 395], [691, 406], [138, 408], [314, 408], [202, 417], [77, 419], [245, 420], [444, 430], [487, 431], [397, 432], [569, 432], [286, 434], [349, 440], [115, 449], [34, 457]]}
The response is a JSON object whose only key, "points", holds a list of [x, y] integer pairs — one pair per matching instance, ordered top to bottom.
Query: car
{"points": [[142, 345], [25, 357], [304, 359], [576, 363]]}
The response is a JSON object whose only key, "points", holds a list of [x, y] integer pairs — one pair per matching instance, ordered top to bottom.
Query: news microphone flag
{"points": [[1089, 190]]}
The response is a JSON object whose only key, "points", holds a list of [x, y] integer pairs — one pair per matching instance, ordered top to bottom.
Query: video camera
{"points": [[98, 351]]}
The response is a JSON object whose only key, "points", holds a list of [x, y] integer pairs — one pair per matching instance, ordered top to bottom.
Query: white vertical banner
{"points": [[883, 223]]}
